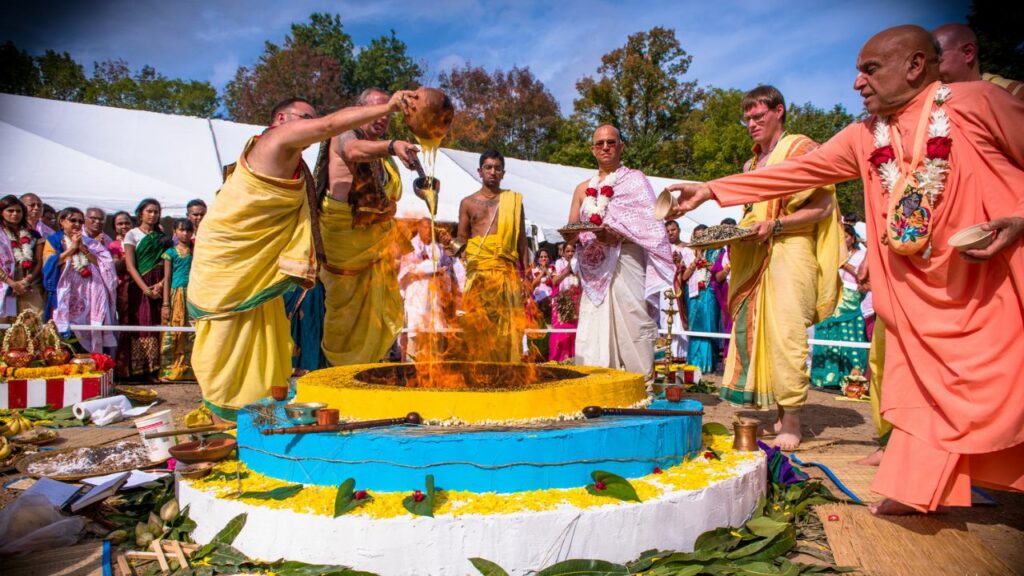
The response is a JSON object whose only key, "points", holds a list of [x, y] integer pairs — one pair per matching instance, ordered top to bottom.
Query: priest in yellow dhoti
{"points": [[358, 187], [255, 244], [784, 280], [494, 318]]}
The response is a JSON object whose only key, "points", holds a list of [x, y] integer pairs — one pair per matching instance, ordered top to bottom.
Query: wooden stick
{"points": [[597, 411], [412, 418], [197, 430], [180, 553], [160, 558], [122, 563]]}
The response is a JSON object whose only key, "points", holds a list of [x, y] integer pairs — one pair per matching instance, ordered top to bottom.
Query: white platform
{"points": [[520, 542]]}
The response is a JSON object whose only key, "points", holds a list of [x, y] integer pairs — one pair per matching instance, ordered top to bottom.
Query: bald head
{"points": [[959, 59], [894, 66], [607, 147]]}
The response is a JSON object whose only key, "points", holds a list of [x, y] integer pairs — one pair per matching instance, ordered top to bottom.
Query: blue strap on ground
{"points": [[831, 476], [107, 567]]}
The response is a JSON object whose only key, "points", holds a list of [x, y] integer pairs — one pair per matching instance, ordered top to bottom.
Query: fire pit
{"points": [[469, 392]]}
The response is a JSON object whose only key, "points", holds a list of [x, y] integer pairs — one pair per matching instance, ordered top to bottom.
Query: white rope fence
{"points": [[716, 335]]}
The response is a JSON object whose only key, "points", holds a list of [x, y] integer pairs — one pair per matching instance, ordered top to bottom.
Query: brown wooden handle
{"points": [[597, 411], [412, 418]]}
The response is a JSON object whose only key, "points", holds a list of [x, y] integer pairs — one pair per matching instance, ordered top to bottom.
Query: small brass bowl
{"points": [[303, 412]]}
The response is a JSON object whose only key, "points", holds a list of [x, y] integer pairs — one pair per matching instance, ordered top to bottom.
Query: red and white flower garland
{"points": [[931, 177], [599, 194], [23, 248], [79, 262]]}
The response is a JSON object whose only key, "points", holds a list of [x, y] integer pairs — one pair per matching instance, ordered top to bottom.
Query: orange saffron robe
{"points": [[954, 362]]}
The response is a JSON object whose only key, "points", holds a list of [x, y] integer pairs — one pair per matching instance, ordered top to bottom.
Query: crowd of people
{"points": [[86, 268]]}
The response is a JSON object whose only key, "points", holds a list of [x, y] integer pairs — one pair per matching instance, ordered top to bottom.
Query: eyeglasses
{"points": [[758, 118], [606, 143]]}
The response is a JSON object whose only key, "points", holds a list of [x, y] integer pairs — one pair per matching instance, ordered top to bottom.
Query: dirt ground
{"points": [[832, 429]]}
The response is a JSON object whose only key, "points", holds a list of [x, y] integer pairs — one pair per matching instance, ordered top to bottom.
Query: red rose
{"points": [[939, 147], [881, 156], [607, 191], [592, 192], [595, 219], [25, 239], [14, 244], [25, 264], [86, 273], [701, 285], [709, 455], [657, 470], [599, 485], [360, 495], [417, 496]]}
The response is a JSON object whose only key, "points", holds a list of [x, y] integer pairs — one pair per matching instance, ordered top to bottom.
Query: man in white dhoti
{"points": [[624, 265], [426, 279]]}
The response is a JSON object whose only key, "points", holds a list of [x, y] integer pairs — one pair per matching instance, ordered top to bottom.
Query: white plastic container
{"points": [[159, 448]]}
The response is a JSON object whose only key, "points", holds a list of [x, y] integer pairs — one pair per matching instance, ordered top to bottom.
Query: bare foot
{"points": [[789, 435], [873, 459], [890, 507]]}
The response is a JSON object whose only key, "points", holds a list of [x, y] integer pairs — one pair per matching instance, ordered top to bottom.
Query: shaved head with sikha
{"points": [[959, 59], [894, 66]]}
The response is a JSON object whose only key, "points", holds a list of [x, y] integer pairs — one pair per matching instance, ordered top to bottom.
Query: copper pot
{"points": [[430, 115], [56, 355], [18, 357], [279, 393], [673, 393], [327, 416], [745, 439]]}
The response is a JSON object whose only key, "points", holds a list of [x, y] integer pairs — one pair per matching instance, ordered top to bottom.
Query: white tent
{"points": [[83, 155]]}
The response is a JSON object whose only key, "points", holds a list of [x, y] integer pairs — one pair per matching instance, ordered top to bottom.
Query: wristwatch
{"points": [[391, 148], [778, 227]]}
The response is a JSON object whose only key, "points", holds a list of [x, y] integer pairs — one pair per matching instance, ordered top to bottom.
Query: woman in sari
{"points": [[123, 224], [20, 260], [80, 281], [566, 289], [702, 308], [138, 353], [830, 364]]}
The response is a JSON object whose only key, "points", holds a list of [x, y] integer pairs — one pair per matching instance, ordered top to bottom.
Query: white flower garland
{"points": [[931, 177], [598, 204], [24, 251], [79, 261]]}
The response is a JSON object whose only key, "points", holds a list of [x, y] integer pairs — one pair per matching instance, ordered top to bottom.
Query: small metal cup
{"points": [[427, 189], [327, 416], [745, 439]]}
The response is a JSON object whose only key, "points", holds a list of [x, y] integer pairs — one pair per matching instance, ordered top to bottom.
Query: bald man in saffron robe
{"points": [[954, 373]]}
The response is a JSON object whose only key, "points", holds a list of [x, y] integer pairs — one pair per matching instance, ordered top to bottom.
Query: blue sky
{"points": [[805, 48]]}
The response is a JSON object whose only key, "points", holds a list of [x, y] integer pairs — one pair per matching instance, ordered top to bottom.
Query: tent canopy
{"points": [[84, 155]]}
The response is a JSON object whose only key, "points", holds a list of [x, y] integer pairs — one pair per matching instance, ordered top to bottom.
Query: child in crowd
{"points": [[176, 349]]}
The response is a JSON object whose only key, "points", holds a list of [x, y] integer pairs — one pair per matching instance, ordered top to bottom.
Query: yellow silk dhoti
{"points": [[254, 245], [777, 291], [363, 307], [495, 319], [876, 360]]}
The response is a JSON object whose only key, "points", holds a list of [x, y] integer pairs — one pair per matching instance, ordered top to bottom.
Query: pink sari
{"points": [[88, 300], [561, 346]]}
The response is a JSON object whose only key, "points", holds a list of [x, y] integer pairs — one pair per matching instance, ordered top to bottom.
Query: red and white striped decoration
{"points": [[56, 392]]}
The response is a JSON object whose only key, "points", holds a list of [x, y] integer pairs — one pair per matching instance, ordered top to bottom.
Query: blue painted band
{"points": [[398, 458]]}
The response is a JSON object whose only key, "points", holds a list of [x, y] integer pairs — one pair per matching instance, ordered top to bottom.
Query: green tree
{"points": [[325, 34], [1000, 37], [385, 64], [18, 71], [61, 78], [113, 84], [640, 89], [509, 111], [820, 125], [716, 142], [569, 143]]}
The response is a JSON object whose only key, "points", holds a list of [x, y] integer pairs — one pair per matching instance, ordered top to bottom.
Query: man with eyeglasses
{"points": [[358, 187], [94, 220], [257, 242], [625, 262], [785, 278]]}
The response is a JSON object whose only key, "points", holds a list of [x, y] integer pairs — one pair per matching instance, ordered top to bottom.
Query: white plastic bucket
{"points": [[159, 448]]}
